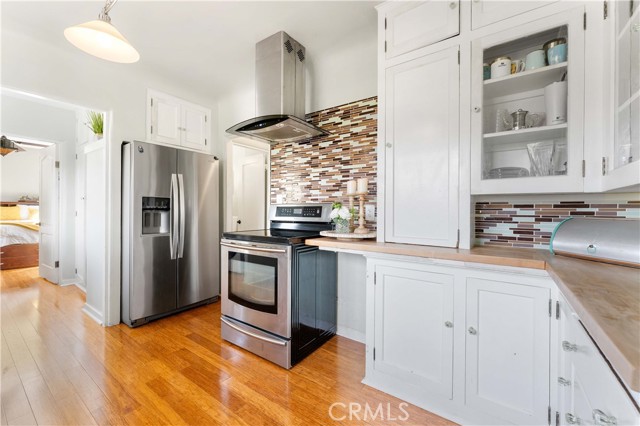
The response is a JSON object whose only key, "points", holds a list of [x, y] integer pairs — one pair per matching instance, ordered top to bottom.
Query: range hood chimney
{"points": [[280, 94]]}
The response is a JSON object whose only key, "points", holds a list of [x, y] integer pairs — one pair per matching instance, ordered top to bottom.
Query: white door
{"points": [[485, 12], [412, 25], [165, 120], [195, 125], [422, 128], [250, 184], [49, 201], [95, 228], [81, 259], [413, 327], [507, 350]]}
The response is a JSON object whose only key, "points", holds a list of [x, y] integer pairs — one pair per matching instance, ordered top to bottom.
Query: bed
{"points": [[19, 234]]}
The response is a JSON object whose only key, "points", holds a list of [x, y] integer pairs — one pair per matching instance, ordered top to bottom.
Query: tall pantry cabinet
{"points": [[418, 135]]}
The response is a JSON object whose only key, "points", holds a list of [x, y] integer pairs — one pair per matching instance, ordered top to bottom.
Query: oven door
{"points": [[256, 285]]}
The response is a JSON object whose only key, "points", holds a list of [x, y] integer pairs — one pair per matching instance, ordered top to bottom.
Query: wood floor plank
{"points": [[60, 367]]}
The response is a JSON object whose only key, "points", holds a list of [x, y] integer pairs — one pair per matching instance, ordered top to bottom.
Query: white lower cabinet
{"points": [[414, 327], [470, 344], [507, 350], [590, 393]]}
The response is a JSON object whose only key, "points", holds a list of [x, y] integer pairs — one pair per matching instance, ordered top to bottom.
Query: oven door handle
{"points": [[241, 247], [255, 335]]}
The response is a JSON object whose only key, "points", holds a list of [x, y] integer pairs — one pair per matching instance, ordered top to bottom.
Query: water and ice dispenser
{"points": [[156, 212]]}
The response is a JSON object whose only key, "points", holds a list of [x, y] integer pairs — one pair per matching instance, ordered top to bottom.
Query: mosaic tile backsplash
{"points": [[318, 171], [501, 223]]}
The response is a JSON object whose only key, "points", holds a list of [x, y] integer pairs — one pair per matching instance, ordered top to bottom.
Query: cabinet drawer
{"points": [[594, 387]]}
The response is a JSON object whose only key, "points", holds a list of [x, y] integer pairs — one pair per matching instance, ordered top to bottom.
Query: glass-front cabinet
{"points": [[528, 107], [621, 165]]}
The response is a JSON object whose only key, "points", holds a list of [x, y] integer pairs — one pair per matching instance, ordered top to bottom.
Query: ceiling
{"points": [[207, 45]]}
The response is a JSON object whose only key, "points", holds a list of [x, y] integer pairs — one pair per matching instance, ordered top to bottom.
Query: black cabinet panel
{"points": [[313, 295]]}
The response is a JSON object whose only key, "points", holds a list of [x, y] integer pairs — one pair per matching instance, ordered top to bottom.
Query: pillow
{"points": [[24, 212], [10, 213], [34, 213]]}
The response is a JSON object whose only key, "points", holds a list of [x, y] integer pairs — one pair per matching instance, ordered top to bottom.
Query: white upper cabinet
{"points": [[485, 12], [413, 25], [166, 120], [173, 121], [421, 124], [195, 127], [545, 153], [621, 166], [414, 326], [507, 350]]}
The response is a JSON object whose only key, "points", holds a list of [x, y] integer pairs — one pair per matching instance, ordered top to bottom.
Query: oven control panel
{"points": [[299, 211]]}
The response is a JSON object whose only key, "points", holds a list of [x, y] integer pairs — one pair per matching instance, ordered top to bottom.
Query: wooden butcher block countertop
{"points": [[605, 297]]}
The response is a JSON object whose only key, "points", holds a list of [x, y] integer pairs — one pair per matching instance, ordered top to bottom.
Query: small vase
{"points": [[342, 227]]}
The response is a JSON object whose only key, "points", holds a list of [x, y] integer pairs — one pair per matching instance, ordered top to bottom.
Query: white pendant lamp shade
{"points": [[101, 39]]}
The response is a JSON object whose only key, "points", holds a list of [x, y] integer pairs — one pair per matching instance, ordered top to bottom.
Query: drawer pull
{"points": [[448, 324], [473, 331], [569, 347], [564, 382], [601, 419], [572, 420]]}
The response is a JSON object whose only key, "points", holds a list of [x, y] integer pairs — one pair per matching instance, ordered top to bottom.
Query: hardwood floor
{"points": [[60, 367]]}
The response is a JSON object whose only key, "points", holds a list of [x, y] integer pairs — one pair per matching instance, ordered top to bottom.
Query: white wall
{"points": [[72, 76], [20, 172]]}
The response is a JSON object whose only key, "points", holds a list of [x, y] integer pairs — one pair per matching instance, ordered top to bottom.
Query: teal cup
{"points": [[557, 54]]}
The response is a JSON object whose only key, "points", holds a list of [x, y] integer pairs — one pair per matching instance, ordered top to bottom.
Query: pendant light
{"points": [[100, 38], [7, 146]]}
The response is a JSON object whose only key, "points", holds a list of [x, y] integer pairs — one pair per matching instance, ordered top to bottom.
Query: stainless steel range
{"points": [[278, 294]]}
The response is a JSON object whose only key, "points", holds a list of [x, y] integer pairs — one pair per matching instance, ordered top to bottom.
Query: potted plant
{"points": [[95, 122], [340, 215]]}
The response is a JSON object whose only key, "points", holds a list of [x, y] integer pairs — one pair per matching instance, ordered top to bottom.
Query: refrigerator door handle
{"points": [[182, 216], [173, 223]]}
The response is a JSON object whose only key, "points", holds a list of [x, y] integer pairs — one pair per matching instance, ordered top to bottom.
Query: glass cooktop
{"points": [[272, 236]]}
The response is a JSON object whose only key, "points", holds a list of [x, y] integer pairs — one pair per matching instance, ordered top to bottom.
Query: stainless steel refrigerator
{"points": [[170, 231]]}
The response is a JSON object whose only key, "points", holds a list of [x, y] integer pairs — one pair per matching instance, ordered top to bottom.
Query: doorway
{"points": [[70, 174], [248, 183]]}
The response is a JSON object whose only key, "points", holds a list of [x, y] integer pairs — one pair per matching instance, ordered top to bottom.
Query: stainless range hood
{"points": [[280, 94]]}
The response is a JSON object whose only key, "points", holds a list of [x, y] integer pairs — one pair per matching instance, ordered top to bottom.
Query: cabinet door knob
{"points": [[453, 5], [477, 109], [389, 145], [448, 324], [473, 331], [569, 347], [564, 382], [601, 419], [572, 420]]}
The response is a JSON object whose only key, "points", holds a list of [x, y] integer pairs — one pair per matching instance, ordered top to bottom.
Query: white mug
{"points": [[535, 60], [517, 65], [501, 67], [555, 100]]}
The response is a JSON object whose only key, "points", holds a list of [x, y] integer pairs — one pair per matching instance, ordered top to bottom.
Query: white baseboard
{"points": [[69, 281], [93, 313], [350, 333]]}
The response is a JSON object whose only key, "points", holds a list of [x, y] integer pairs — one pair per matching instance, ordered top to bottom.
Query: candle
{"points": [[363, 185], [351, 187]]}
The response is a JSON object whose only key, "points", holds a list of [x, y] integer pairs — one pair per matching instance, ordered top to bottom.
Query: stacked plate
{"points": [[507, 172]]}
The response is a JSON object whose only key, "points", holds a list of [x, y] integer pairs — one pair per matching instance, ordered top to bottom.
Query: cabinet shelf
{"points": [[523, 81], [532, 134]]}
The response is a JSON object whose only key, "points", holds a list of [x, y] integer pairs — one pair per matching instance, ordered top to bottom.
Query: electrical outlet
{"points": [[370, 212]]}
